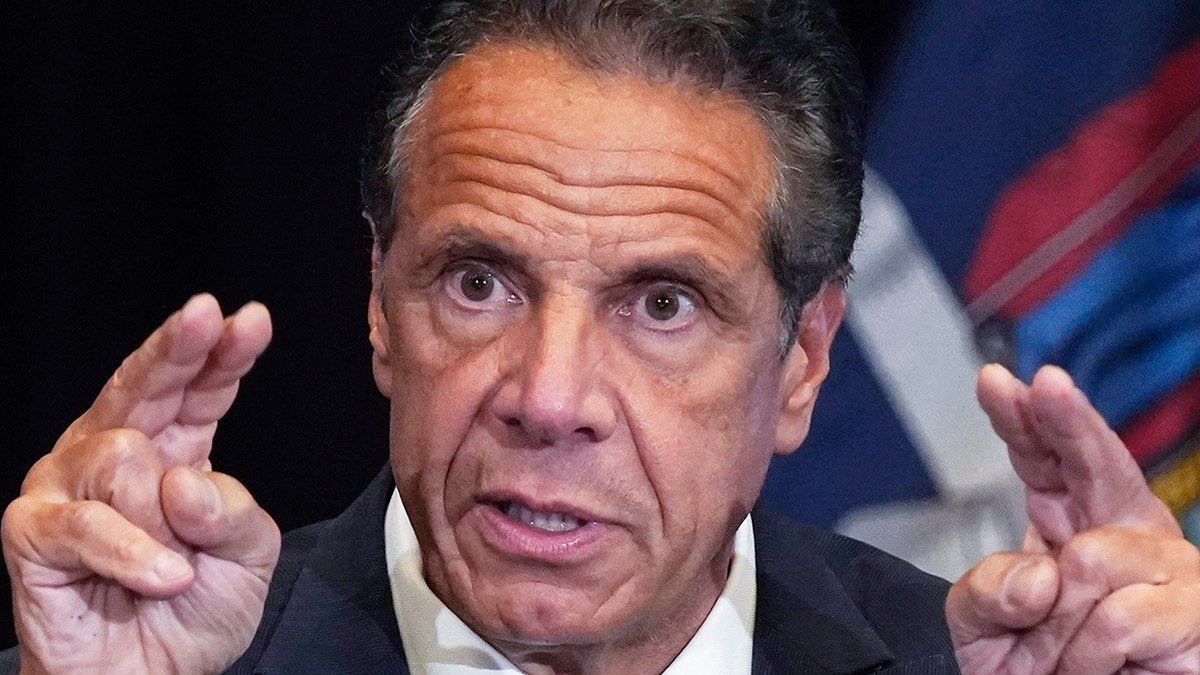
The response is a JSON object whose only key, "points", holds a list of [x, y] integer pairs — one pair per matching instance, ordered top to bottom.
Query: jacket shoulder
{"points": [[297, 547], [867, 590]]}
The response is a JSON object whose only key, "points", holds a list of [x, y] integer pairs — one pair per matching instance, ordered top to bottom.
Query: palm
{"points": [[135, 642]]}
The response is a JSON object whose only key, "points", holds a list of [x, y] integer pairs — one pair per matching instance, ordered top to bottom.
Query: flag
{"points": [[1033, 199]]}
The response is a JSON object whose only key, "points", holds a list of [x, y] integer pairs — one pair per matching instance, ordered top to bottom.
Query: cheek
{"points": [[440, 389], [730, 401], [706, 439]]}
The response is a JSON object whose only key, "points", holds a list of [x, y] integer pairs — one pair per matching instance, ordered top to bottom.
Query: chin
{"points": [[547, 618]]}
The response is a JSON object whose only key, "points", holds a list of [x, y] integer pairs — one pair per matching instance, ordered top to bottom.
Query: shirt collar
{"points": [[436, 642]]}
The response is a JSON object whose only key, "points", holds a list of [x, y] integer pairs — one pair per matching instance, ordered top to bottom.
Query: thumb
{"points": [[215, 514], [1004, 592]]}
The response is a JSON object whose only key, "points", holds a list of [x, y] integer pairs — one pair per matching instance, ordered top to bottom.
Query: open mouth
{"points": [[546, 521]]}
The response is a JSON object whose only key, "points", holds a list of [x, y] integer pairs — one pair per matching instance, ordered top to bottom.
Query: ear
{"points": [[380, 331], [807, 364]]}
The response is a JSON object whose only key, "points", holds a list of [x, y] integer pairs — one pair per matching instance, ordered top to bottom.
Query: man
{"points": [[610, 241]]}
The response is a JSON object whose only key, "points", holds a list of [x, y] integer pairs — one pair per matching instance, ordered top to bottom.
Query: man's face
{"points": [[579, 337]]}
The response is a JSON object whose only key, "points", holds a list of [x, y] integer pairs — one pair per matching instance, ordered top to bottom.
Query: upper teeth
{"points": [[550, 522]]}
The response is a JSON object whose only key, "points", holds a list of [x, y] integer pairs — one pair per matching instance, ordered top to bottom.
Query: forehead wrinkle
{"points": [[500, 139], [561, 173], [614, 202], [562, 209], [600, 228]]}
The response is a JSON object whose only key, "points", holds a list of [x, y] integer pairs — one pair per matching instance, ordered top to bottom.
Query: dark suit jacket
{"points": [[826, 603]]}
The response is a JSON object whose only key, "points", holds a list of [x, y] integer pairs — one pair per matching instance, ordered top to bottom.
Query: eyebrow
{"points": [[461, 242], [688, 269]]}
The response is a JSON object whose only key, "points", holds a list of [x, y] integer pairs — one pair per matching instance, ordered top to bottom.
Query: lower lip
{"points": [[515, 538]]}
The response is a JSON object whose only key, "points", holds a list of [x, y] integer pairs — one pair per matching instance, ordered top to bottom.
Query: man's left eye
{"points": [[663, 308]]}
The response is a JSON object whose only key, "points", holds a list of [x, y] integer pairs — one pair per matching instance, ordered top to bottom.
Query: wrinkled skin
{"points": [[577, 318], [127, 552], [1104, 581]]}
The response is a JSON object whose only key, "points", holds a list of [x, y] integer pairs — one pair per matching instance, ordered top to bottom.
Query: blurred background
{"points": [[1034, 198]]}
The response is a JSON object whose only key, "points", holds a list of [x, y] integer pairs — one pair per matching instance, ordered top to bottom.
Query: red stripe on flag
{"points": [[1118, 164], [1164, 423]]}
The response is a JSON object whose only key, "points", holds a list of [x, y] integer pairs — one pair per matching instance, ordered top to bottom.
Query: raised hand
{"points": [[127, 553], [1105, 581]]}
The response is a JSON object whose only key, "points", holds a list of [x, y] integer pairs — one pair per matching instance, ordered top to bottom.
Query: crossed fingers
{"points": [[1105, 581]]}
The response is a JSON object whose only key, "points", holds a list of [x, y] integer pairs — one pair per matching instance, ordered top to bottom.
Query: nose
{"points": [[555, 393]]}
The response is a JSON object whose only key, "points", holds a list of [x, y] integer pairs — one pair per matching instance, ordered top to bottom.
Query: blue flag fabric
{"points": [[975, 95]]}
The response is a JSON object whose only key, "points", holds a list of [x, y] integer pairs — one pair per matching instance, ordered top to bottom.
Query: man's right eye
{"points": [[477, 287]]}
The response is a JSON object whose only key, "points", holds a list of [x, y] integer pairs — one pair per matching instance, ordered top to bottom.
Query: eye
{"points": [[476, 286], [662, 307]]}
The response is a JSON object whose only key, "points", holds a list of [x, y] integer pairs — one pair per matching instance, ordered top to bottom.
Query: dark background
{"points": [[149, 152]]}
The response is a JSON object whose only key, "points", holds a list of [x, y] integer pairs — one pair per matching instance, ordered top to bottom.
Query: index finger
{"points": [[171, 377], [1077, 472]]}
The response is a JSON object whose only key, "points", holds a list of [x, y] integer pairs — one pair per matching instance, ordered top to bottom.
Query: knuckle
{"points": [[122, 378], [70, 436], [122, 446], [111, 447], [126, 456], [100, 457], [117, 457], [107, 464], [43, 472], [17, 518], [83, 519], [127, 548], [1083, 555], [1162, 556], [1113, 622]]}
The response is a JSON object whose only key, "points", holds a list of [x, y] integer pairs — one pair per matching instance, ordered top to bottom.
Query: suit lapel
{"points": [[339, 616], [804, 620]]}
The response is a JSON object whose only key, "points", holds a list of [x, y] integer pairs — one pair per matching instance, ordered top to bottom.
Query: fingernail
{"points": [[171, 567]]}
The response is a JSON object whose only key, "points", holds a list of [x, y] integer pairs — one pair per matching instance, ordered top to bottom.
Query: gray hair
{"points": [[787, 60]]}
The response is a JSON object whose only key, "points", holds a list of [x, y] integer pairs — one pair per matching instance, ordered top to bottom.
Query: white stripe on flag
{"points": [[919, 343]]}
